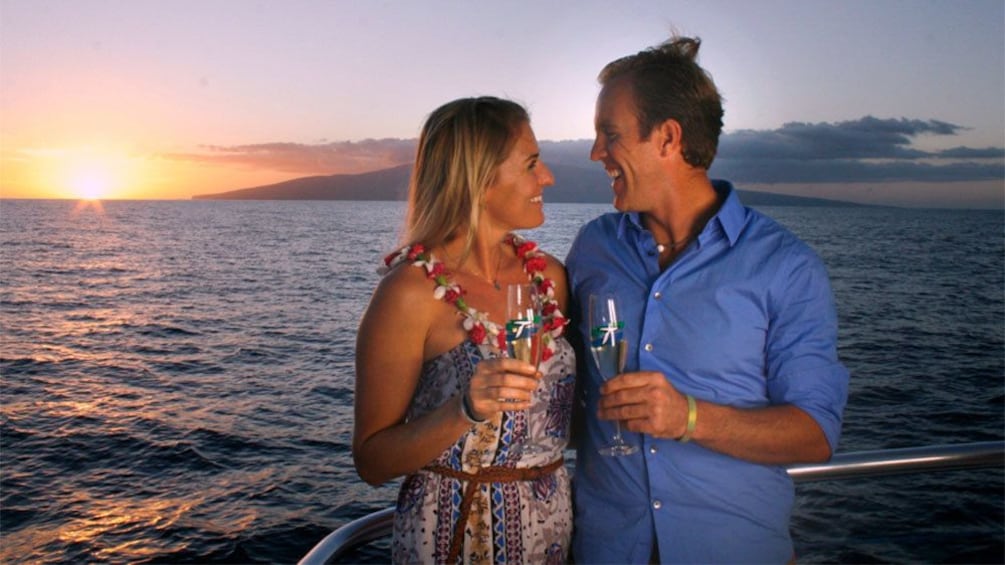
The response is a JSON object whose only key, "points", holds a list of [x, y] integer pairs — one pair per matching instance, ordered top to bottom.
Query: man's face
{"points": [[631, 162]]}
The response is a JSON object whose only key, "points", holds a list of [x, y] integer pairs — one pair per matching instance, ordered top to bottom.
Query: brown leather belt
{"points": [[482, 476]]}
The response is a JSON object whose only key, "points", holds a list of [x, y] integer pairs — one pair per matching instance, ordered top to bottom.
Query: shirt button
{"points": [[658, 295], [649, 347], [652, 449], [657, 504]]}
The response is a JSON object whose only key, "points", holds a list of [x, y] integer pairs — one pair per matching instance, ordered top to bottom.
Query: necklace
{"points": [[674, 245], [494, 281]]}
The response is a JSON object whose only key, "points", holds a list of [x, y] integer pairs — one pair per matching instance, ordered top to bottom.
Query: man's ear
{"points": [[670, 137]]}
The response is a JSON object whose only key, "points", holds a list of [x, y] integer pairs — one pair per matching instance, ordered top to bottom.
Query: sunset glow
{"points": [[139, 100], [68, 172], [90, 173], [94, 174]]}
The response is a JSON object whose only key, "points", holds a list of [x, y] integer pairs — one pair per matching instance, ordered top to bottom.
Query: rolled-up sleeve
{"points": [[801, 350]]}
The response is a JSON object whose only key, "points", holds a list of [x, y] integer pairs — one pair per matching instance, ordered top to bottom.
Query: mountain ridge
{"points": [[573, 184]]}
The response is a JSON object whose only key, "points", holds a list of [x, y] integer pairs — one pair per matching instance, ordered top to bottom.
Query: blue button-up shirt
{"points": [[744, 317]]}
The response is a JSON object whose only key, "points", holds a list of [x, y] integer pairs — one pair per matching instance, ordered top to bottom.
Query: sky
{"points": [[879, 101]]}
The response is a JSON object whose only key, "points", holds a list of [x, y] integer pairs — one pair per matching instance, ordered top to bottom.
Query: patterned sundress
{"points": [[508, 522]]}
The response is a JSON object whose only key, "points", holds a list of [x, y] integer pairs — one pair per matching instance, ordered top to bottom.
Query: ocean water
{"points": [[176, 377]]}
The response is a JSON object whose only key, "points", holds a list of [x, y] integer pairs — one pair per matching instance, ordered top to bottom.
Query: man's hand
{"points": [[645, 402]]}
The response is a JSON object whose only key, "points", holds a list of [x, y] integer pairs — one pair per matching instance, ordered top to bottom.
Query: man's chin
{"points": [[620, 204]]}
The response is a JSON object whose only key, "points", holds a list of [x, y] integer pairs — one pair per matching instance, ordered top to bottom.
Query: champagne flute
{"points": [[523, 339], [609, 349]]}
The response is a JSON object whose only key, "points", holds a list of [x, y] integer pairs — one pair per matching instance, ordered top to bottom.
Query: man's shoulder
{"points": [[607, 220], [604, 224], [763, 226], [595, 234], [777, 247]]}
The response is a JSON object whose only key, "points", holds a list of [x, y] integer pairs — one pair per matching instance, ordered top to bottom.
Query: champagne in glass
{"points": [[523, 338], [609, 350]]}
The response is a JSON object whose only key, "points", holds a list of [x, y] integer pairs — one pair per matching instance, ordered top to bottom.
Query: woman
{"points": [[435, 401]]}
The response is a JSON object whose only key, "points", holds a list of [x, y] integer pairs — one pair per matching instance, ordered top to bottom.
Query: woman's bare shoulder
{"points": [[555, 269], [405, 286], [405, 294]]}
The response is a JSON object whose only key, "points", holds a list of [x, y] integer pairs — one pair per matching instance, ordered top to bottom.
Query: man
{"points": [[732, 368]]}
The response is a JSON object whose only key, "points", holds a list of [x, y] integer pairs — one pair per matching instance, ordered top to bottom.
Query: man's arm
{"points": [[775, 435]]}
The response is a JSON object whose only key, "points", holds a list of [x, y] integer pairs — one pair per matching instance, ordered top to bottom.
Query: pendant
{"points": [[495, 283]]}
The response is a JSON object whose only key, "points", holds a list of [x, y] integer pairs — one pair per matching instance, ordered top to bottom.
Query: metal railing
{"points": [[905, 460], [842, 466]]}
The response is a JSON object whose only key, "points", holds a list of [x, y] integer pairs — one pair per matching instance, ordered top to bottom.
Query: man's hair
{"points": [[667, 83], [459, 152]]}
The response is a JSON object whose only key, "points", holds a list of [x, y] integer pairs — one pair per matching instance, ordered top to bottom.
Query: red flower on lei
{"points": [[481, 330]]}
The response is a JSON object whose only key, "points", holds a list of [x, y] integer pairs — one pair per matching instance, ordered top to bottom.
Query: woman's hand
{"points": [[501, 384]]}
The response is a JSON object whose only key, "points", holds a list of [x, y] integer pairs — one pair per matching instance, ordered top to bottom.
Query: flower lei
{"points": [[481, 330]]}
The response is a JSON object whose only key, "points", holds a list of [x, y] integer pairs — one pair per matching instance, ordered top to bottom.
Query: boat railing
{"points": [[850, 465]]}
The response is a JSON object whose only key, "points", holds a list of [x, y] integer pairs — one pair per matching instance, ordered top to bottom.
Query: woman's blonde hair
{"points": [[460, 149]]}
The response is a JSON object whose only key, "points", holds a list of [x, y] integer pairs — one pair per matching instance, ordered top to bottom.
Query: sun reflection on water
{"points": [[89, 204], [107, 527]]}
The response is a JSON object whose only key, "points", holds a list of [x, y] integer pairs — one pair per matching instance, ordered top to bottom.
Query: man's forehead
{"points": [[614, 96]]}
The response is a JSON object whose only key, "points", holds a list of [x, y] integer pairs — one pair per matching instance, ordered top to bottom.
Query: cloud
{"points": [[866, 138], [869, 149], [971, 153], [322, 159], [849, 170]]}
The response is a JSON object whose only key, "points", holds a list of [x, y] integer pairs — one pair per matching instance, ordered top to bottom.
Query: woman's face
{"points": [[514, 199]]}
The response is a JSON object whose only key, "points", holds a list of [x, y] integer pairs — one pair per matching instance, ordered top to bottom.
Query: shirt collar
{"points": [[731, 217], [629, 220]]}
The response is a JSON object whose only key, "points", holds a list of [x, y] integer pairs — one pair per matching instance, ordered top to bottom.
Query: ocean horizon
{"points": [[967, 195]]}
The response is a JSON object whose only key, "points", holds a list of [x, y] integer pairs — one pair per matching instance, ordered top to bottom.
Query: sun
{"points": [[92, 175], [90, 184]]}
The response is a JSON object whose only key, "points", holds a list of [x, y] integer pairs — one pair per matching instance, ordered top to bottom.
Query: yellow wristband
{"points": [[692, 419]]}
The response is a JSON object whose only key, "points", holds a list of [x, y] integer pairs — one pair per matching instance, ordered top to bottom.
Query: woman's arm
{"points": [[390, 350], [389, 355]]}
